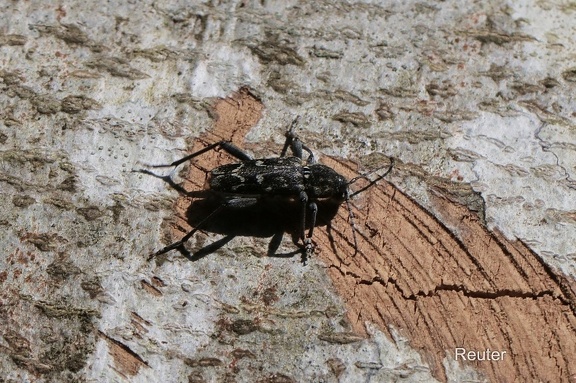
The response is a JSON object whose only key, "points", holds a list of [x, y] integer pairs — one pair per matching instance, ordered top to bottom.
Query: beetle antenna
{"points": [[372, 182], [348, 196], [352, 223]]}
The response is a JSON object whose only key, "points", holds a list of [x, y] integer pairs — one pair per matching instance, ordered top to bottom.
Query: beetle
{"points": [[260, 185]]}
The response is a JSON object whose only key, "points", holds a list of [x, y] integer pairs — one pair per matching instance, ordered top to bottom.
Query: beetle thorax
{"points": [[320, 181]]}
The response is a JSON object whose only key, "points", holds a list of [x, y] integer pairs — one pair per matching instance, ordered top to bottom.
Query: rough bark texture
{"points": [[468, 244], [462, 287]]}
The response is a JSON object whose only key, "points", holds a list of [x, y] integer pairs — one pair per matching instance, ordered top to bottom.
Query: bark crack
{"points": [[478, 294]]}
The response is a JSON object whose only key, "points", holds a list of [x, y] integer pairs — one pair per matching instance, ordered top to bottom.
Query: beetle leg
{"points": [[290, 135], [294, 143], [226, 145], [286, 146], [296, 147], [297, 150], [311, 159], [304, 207], [313, 212], [306, 239], [309, 247]]}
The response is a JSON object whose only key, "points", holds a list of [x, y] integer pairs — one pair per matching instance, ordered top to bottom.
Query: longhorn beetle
{"points": [[243, 184]]}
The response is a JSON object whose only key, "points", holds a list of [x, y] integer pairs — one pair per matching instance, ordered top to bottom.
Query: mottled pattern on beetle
{"points": [[280, 176], [323, 182]]}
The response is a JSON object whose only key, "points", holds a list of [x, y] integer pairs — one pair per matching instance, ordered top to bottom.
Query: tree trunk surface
{"points": [[458, 265]]}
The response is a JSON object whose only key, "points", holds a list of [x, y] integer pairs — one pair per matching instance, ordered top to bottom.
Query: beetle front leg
{"points": [[289, 137], [295, 145], [298, 147], [303, 207], [313, 213], [307, 239], [308, 245]]}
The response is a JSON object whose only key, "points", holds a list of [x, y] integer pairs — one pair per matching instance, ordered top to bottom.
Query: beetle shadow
{"points": [[267, 216]]}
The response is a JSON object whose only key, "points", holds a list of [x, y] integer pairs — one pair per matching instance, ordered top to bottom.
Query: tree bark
{"points": [[463, 248]]}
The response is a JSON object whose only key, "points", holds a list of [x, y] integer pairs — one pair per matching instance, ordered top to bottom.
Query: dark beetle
{"points": [[279, 176], [285, 188]]}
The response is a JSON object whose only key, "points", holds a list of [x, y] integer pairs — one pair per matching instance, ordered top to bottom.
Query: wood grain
{"points": [[442, 282], [449, 282]]}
